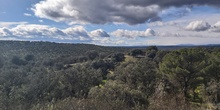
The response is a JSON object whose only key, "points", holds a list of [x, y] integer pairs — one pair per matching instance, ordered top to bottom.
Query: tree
{"points": [[150, 48], [151, 51], [136, 52], [92, 54], [102, 55], [159, 56], [29, 57], [118, 57], [18, 61], [1, 62], [103, 65], [183, 68], [213, 70], [212, 74], [139, 75], [139, 79], [119, 96]]}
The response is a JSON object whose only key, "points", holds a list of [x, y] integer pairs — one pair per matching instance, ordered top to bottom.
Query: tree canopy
{"points": [[57, 76]]}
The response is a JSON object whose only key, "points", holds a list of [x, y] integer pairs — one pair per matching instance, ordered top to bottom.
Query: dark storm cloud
{"points": [[168, 3], [109, 11]]}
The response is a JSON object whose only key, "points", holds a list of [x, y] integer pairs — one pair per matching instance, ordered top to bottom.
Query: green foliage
{"points": [[152, 48], [151, 51], [136, 52], [92, 54], [159, 56], [29, 57], [117, 57], [18, 61], [1, 62], [103, 65], [183, 69], [213, 70], [212, 74], [139, 75], [52, 76], [134, 84], [119, 94]]}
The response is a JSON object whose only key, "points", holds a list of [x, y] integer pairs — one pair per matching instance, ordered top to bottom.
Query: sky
{"points": [[112, 22]]}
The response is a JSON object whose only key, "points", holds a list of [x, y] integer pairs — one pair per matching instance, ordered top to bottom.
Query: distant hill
{"points": [[175, 47], [51, 49]]}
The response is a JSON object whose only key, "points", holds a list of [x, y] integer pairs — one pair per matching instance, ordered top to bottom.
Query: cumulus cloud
{"points": [[109, 11], [198, 26], [215, 27], [35, 31], [78, 31], [5, 32], [44, 32], [99, 33], [133, 34]]}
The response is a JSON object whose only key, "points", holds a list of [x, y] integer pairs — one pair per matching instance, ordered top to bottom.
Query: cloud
{"points": [[169, 3], [109, 11], [96, 12], [175, 12], [27, 14], [41, 21], [161, 23], [8, 24], [198, 26], [215, 27], [35, 31], [75, 31], [5, 32], [43, 32], [99, 33], [71, 34], [133, 34], [169, 34], [101, 37]]}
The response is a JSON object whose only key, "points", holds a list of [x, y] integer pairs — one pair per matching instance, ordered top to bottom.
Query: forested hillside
{"points": [[53, 76]]}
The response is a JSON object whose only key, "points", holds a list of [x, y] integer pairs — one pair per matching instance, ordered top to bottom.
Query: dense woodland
{"points": [[57, 76]]}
